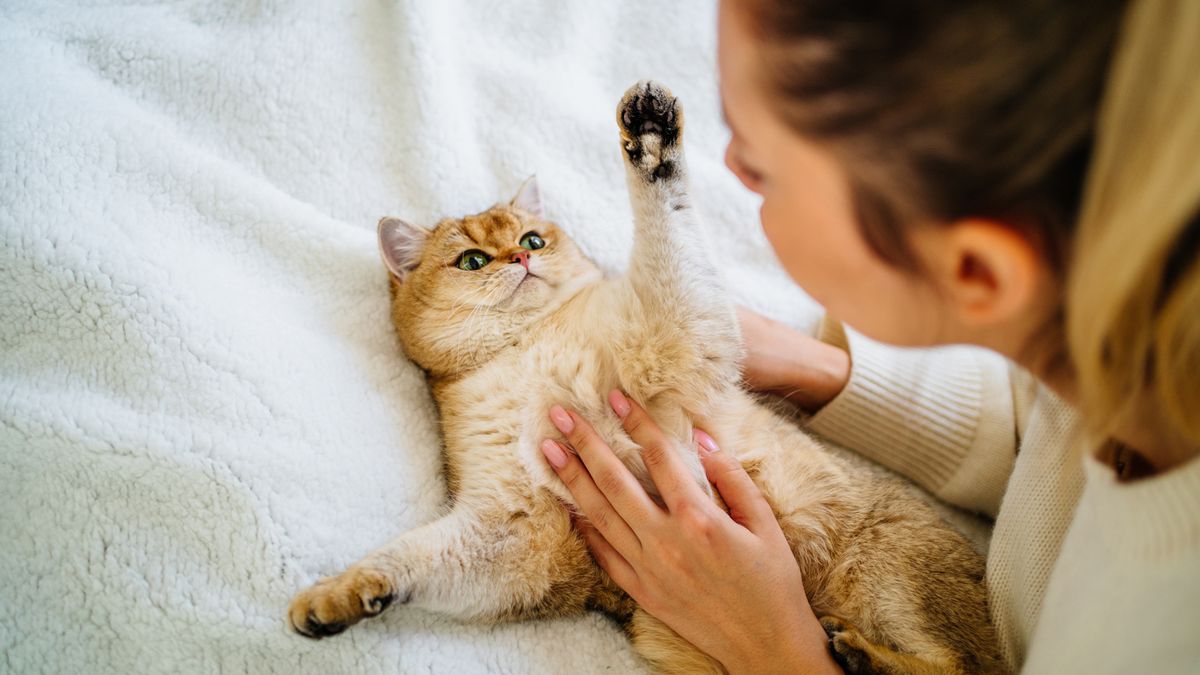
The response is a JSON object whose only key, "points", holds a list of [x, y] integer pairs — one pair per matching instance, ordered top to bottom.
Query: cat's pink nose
{"points": [[521, 257]]}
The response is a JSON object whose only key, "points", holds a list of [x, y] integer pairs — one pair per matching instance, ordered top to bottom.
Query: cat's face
{"points": [[501, 259], [471, 282]]}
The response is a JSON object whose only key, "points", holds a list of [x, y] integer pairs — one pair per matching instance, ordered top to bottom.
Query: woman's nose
{"points": [[748, 178]]}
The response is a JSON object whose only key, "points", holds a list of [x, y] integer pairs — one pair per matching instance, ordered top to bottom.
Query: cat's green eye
{"points": [[531, 241], [472, 260]]}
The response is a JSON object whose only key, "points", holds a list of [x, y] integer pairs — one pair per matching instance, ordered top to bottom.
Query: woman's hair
{"points": [[1076, 123], [1133, 298]]}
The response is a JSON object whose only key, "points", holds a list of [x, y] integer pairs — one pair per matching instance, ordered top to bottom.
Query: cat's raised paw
{"points": [[651, 121], [334, 604]]}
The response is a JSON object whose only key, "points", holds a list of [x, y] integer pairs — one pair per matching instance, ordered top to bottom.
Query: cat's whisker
{"points": [[464, 301], [486, 303], [458, 304]]}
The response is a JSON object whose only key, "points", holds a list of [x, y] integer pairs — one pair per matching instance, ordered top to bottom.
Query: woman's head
{"points": [[932, 113], [923, 165]]}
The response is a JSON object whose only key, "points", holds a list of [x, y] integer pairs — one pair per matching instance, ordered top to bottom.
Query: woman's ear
{"points": [[529, 197], [400, 244], [990, 273]]}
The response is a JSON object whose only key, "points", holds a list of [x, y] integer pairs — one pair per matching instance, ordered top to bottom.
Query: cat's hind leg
{"points": [[665, 651], [855, 653]]}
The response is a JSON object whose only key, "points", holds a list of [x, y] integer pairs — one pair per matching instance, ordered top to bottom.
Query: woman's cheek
{"points": [[787, 237], [815, 255]]}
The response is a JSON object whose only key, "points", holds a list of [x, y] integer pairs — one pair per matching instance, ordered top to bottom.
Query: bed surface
{"points": [[203, 407]]}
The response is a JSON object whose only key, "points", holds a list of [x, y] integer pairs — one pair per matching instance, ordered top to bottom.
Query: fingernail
{"points": [[619, 403], [562, 421], [705, 441], [554, 454]]}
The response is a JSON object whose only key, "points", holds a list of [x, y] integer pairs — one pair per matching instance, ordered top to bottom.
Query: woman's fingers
{"points": [[607, 471], [675, 483], [746, 503], [594, 505], [609, 559]]}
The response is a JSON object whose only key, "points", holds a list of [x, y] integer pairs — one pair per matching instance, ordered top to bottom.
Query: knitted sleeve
{"points": [[947, 418]]}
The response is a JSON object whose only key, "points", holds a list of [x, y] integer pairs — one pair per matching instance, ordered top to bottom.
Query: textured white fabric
{"points": [[202, 404], [943, 417], [1036, 512], [1084, 574], [1124, 595]]}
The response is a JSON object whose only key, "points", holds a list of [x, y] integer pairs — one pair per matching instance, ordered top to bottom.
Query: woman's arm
{"points": [[784, 361], [947, 418], [727, 583]]}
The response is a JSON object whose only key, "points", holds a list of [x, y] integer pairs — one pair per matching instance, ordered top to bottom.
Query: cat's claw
{"points": [[651, 121], [313, 628]]}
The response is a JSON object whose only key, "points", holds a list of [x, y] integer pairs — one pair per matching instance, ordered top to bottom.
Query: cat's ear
{"points": [[529, 197], [400, 244]]}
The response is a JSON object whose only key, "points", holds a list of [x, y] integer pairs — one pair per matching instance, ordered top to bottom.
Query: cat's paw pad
{"points": [[651, 121], [334, 604], [849, 647]]}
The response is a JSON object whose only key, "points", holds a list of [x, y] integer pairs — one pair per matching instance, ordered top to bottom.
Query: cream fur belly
{"points": [[561, 367]]}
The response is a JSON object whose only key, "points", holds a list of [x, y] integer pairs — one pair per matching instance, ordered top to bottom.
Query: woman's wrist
{"points": [[792, 364], [817, 375], [802, 647]]}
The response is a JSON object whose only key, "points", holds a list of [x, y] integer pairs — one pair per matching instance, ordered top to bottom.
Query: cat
{"points": [[506, 316]]}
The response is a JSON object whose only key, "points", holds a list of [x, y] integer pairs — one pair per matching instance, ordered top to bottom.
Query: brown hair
{"points": [[945, 109], [1009, 110]]}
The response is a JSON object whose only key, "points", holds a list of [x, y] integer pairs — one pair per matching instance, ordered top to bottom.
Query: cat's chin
{"points": [[531, 288]]}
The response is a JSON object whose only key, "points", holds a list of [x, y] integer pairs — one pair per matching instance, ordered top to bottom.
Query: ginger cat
{"points": [[507, 317]]}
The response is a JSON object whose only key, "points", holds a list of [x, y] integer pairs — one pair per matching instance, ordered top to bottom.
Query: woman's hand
{"points": [[785, 361], [725, 582]]}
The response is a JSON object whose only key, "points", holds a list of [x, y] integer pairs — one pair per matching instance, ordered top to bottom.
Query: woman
{"points": [[1019, 175]]}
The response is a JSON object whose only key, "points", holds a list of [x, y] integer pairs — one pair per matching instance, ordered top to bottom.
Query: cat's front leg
{"points": [[671, 268], [683, 327], [472, 563], [385, 577], [333, 604]]}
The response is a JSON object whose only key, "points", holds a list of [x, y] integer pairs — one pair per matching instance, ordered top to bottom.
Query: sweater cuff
{"points": [[942, 417]]}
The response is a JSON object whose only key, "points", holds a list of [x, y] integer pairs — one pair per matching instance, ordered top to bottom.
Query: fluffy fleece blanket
{"points": [[203, 407]]}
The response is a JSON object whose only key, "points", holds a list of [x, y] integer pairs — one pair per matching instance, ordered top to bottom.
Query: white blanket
{"points": [[203, 407]]}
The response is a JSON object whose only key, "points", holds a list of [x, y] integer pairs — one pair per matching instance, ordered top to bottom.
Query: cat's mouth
{"points": [[528, 276], [526, 282]]}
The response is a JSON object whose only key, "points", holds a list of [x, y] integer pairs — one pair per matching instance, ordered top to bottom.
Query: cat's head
{"points": [[470, 286]]}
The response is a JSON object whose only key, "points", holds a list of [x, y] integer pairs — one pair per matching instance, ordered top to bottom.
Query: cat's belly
{"points": [[496, 418]]}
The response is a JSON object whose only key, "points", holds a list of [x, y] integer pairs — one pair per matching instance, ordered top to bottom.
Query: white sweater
{"points": [[1085, 574]]}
